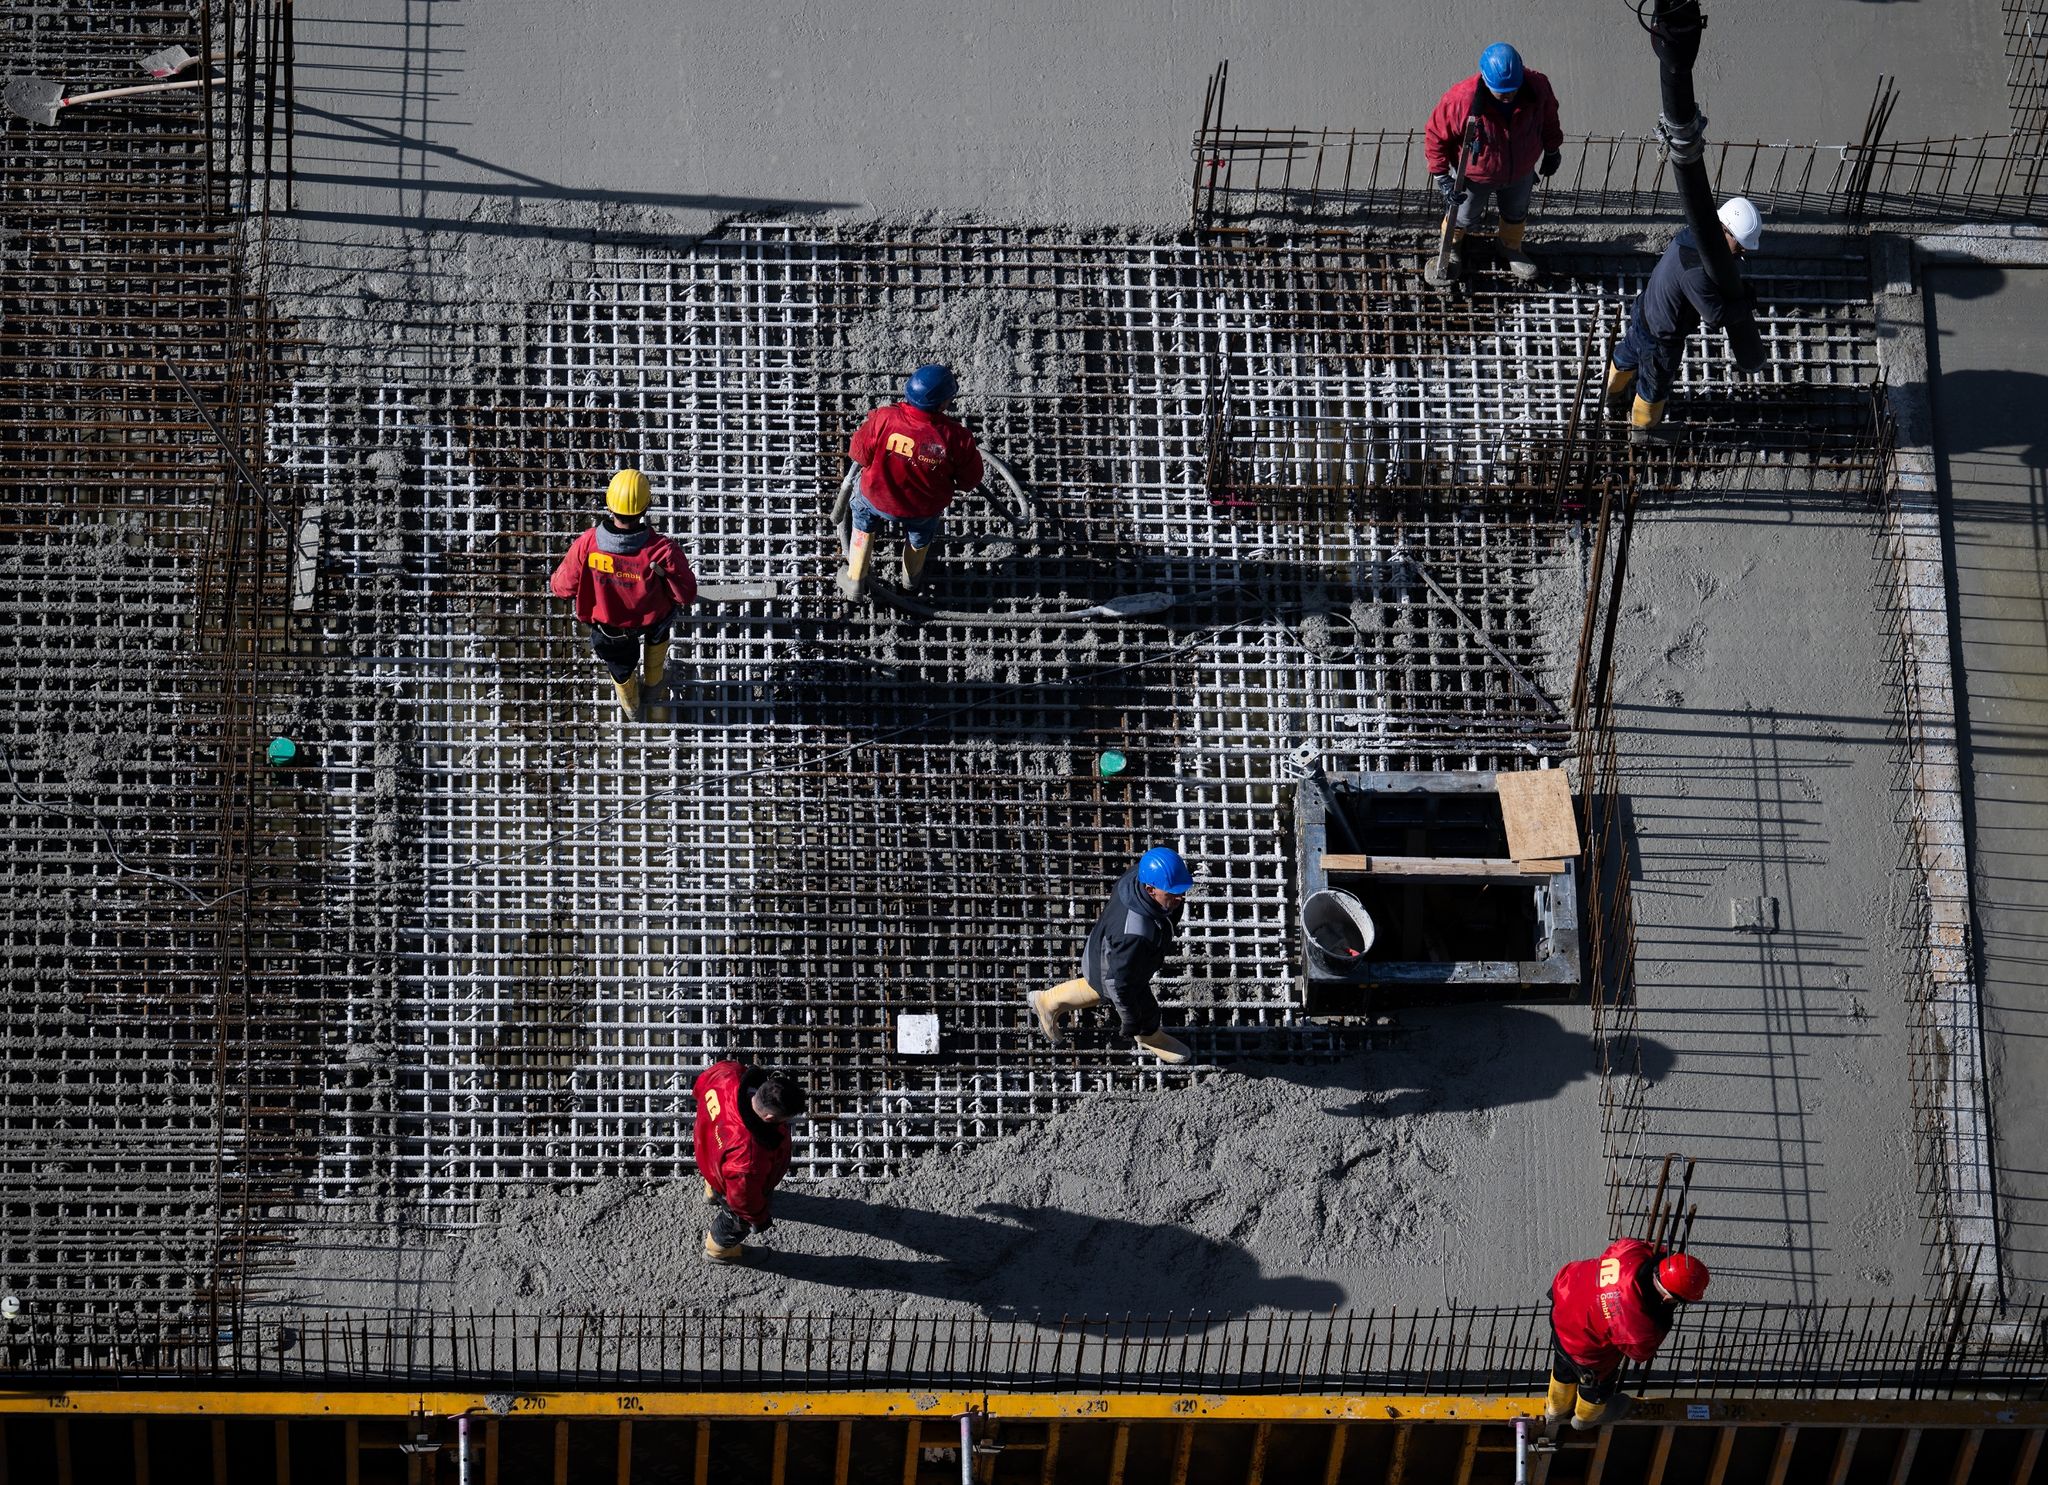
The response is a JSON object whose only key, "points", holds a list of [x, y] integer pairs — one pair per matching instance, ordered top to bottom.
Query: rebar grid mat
{"points": [[1339, 177], [544, 923], [136, 1129], [1859, 1350]]}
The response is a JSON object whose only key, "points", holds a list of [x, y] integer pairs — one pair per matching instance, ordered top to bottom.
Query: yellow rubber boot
{"points": [[1520, 264], [1454, 265], [1621, 387], [1646, 422], [913, 565], [854, 581], [657, 664], [629, 698], [1050, 1005], [1164, 1047], [710, 1196], [718, 1253], [1559, 1402], [1588, 1416]]}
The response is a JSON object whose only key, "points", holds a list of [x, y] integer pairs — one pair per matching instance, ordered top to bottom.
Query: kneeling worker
{"points": [[1679, 298], [913, 459], [626, 580], [1125, 949], [742, 1142], [1605, 1310]]}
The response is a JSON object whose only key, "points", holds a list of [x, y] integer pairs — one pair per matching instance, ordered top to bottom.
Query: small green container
{"points": [[281, 752], [1110, 764]]}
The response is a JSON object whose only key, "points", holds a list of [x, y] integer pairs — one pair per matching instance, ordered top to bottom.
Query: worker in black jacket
{"points": [[1681, 296], [1125, 949]]}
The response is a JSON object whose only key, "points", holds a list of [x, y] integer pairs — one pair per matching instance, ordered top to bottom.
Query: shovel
{"points": [[37, 99]]}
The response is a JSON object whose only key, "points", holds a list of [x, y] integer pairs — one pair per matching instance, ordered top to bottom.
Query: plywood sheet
{"points": [[1537, 807]]}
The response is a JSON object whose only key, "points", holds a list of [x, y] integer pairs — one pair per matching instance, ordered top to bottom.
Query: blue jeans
{"points": [[1514, 202], [1654, 363], [918, 533]]}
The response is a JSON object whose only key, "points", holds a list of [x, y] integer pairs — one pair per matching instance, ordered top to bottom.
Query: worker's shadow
{"points": [[1459, 1060], [1015, 1262]]}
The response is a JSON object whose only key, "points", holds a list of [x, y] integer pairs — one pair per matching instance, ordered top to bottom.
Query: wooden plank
{"points": [[1536, 805], [1457, 867], [281, 1435], [138, 1436], [1262, 1439], [913, 1440], [63, 1441], [1724, 1448], [220, 1451], [490, 1451], [561, 1451], [1183, 1451], [352, 1452], [842, 1452], [1118, 1453], [1468, 1454], [2030, 1454], [1845, 1455], [1966, 1457], [1660, 1458], [1782, 1460], [1902, 1461], [1397, 1463], [624, 1465], [1050, 1465], [1334, 1465], [778, 1466], [1597, 1470], [700, 1472]]}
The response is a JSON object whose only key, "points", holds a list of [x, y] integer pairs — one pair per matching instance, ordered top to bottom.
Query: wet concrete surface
{"points": [[1989, 356]]}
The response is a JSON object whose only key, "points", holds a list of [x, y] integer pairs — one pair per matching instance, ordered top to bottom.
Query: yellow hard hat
{"points": [[627, 494]]}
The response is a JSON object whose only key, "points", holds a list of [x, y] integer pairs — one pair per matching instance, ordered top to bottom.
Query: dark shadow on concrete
{"points": [[1017, 1263]]}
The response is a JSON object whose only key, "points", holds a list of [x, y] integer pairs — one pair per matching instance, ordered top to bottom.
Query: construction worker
{"points": [[1517, 138], [1680, 297], [913, 459], [626, 580], [1125, 949], [742, 1140], [1605, 1310]]}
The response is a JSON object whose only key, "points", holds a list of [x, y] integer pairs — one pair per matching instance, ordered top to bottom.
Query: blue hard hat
{"points": [[1501, 66], [931, 387], [1162, 867]]}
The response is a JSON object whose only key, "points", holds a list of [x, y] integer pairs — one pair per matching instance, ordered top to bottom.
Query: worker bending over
{"points": [[1517, 138], [1680, 297], [913, 459], [626, 580], [1125, 949], [742, 1141], [1605, 1310]]}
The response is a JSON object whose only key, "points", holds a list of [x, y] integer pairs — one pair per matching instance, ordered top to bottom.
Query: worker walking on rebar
{"points": [[1503, 121], [1680, 297], [913, 460], [627, 580], [1125, 949], [743, 1142], [1606, 1310]]}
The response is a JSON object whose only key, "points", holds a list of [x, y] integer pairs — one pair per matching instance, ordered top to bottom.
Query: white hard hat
{"points": [[1739, 216]]}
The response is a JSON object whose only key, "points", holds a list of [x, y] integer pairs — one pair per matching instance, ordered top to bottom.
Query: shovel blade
{"points": [[171, 59], [34, 98]]}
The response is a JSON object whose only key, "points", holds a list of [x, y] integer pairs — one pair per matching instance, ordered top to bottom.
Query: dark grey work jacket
{"points": [[1125, 949]]}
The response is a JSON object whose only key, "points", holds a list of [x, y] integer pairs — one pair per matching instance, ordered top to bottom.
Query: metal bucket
{"points": [[1338, 932]]}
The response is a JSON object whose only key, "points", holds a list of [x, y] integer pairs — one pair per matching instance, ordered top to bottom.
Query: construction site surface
{"points": [[359, 957]]}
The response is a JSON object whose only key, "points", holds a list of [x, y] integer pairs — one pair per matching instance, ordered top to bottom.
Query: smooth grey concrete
{"points": [[481, 113], [1989, 356]]}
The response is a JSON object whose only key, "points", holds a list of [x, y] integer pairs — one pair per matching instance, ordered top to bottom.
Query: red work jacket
{"points": [[1511, 142], [912, 461], [624, 580], [729, 1155], [1599, 1310]]}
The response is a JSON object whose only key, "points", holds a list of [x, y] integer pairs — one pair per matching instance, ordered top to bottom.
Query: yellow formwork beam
{"points": [[1045, 1406]]}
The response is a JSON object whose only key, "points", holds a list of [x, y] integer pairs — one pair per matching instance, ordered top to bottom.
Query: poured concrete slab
{"points": [[1989, 356]]}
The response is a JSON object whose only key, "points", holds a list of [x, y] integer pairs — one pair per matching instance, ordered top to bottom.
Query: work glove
{"points": [[1551, 160], [1447, 187]]}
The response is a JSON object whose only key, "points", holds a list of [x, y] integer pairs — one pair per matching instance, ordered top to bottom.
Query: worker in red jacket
{"points": [[1516, 138], [913, 459], [626, 580], [742, 1140], [1606, 1310]]}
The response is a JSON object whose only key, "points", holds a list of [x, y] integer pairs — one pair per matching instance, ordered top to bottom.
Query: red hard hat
{"points": [[1683, 1275]]}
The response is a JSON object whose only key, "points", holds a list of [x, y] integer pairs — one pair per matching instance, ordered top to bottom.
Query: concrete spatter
{"points": [[999, 343], [1751, 687], [1387, 1178]]}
